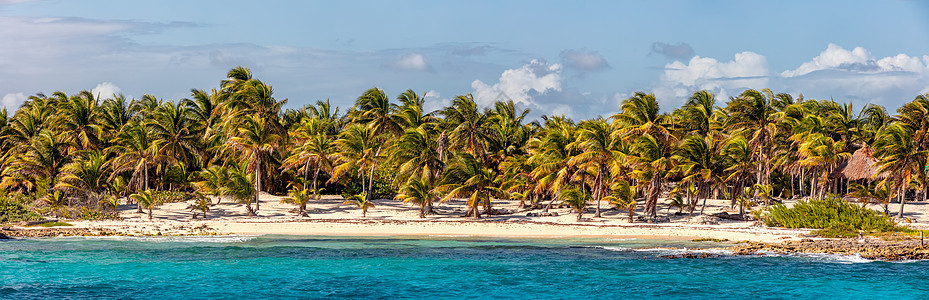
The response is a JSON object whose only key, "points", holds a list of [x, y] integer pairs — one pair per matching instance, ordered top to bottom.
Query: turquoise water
{"points": [[430, 268]]}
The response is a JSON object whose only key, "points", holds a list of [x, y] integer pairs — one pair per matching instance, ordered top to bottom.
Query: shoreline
{"points": [[734, 232]]}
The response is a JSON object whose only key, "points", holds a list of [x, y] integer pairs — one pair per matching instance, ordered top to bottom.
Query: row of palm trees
{"points": [[237, 141]]}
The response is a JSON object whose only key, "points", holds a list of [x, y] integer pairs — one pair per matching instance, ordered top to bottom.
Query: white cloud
{"points": [[584, 60], [857, 60], [414, 61], [857, 75], [535, 78], [679, 80], [105, 90], [12, 101], [433, 101]]}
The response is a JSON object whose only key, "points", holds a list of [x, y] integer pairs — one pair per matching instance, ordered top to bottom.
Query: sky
{"points": [[576, 58]]}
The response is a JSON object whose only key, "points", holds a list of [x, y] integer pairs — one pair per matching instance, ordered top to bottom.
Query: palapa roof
{"points": [[861, 165]]}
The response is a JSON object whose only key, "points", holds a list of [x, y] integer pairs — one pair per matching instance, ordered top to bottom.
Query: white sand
{"points": [[329, 216]]}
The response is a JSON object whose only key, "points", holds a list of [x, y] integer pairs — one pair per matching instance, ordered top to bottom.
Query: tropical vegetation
{"points": [[67, 154]]}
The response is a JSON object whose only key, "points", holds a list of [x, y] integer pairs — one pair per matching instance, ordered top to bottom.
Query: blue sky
{"points": [[578, 58]]}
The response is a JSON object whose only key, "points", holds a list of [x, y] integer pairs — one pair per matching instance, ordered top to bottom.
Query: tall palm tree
{"points": [[753, 114], [170, 128], [469, 129], [256, 144], [358, 150], [550, 152], [600, 152], [899, 156], [44, 159], [651, 161], [702, 164]]}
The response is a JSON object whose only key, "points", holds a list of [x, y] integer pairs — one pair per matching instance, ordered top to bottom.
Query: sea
{"points": [[438, 267]]}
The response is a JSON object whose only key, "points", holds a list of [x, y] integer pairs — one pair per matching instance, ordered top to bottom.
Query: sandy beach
{"points": [[329, 216]]}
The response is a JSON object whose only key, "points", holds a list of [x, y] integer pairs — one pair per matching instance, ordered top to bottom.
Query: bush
{"points": [[162, 197], [14, 211], [93, 215], [834, 217]]}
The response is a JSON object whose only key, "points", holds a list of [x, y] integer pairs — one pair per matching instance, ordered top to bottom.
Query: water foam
{"points": [[226, 239]]}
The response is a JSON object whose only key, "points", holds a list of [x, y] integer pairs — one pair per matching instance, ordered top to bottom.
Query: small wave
{"points": [[178, 239], [609, 248], [679, 251], [823, 257]]}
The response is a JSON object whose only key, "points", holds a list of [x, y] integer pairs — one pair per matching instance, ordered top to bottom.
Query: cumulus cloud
{"points": [[679, 51], [584, 60], [413, 61], [857, 75], [535, 78], [679, 80], [105, 90], [13, 101], [433, 101]]}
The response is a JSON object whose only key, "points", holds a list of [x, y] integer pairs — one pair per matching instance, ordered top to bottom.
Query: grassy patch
{"points": [[833, 217], [52, 224]]}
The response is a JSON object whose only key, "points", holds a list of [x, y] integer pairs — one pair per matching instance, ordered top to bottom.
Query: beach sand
{"points": [[330, 216]]}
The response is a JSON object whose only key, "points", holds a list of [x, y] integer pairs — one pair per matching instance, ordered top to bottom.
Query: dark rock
{"points": [[737, 217], [4, 236]]}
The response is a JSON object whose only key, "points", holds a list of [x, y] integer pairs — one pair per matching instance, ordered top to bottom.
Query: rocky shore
{"points": [[18, 232], [869, 248]]}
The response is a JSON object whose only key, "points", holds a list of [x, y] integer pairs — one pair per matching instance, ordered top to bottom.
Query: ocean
{"points": [[332, 267]]}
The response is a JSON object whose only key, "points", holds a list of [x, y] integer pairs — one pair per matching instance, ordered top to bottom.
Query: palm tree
{"points": [[373, 107], [753, 113], [78, 122], [170, 128], [469, 129], [256, 144], [314, 149], [359, 150], [135, 151], [550, 152], [600, 152], [822, 153], [44, 158], [900, 158], [652, 160], [702, 164], [86, 175], [467, 177], [239, 184], [417, 191], [298, 197], [623, 197], [145, 199], [576, 199], [362, 202]]}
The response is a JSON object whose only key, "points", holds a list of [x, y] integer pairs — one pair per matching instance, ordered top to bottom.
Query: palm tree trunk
{"points": [[306, 173], [370, 183], [257, 184], [315, 188], [598, 194], [902, 202]]}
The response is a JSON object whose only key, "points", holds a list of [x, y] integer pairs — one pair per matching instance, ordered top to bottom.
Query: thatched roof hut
{"points": [[861, 165]]}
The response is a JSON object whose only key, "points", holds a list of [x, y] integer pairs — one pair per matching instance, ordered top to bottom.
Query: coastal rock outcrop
{"points": [[53, 232], [870, 248]]}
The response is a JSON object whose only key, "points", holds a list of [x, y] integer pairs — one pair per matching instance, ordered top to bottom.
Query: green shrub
{"points": [[162, 197], [15, 211], [92, 214], [834, 217], [53, 224]]}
